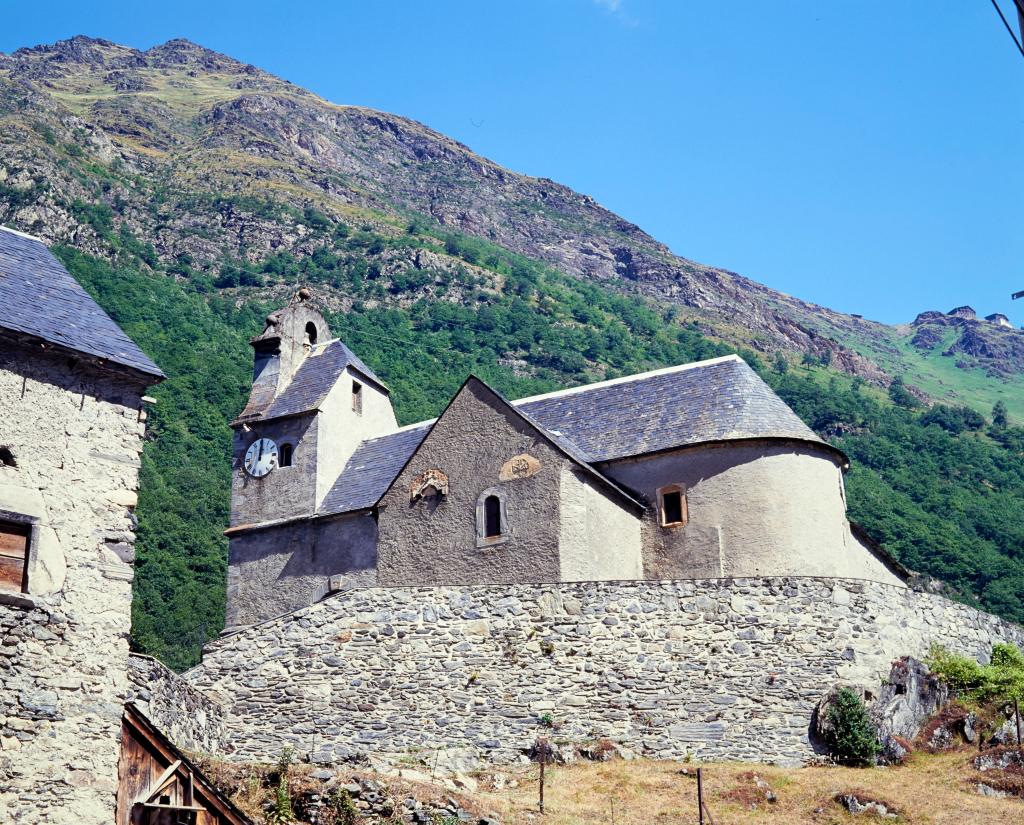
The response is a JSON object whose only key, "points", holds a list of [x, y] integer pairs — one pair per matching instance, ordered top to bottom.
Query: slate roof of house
{"points": [[39, 297], [315, 377], [708, 401]]}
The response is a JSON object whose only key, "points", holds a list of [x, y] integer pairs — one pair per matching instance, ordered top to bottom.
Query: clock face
{"points": [[261, 457]]}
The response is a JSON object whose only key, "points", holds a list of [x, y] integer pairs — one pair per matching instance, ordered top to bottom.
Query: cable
{"points": [[1009, 28]]}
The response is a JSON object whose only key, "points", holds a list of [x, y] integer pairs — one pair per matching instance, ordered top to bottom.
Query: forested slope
{"points": [[940, 487]]}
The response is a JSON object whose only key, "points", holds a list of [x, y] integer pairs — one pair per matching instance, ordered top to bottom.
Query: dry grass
{"points": [[930, 789]]}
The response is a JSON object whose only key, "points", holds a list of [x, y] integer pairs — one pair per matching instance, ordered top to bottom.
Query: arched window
{"points": [[311, 334], [284, 457], [491, 518]]}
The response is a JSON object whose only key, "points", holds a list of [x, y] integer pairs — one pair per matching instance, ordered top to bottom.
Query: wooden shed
{"points": [[158, 785]]}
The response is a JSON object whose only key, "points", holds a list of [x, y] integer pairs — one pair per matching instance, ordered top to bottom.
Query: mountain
{"points": [[191, 193]]}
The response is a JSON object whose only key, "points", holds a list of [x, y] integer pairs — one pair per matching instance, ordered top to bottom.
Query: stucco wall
{"points": [[341, 430], [76, 435], [285, 492], [755, 509], [599, 539], [428, 542], [279, 569], [723, 669]]}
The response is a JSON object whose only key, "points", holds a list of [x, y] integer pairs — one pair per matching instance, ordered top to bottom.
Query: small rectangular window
{"points": [[357, 398], [672, 506], [14, 540]]}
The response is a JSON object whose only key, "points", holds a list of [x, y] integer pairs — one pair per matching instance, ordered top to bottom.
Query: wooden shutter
{"points": [[14, 556]]}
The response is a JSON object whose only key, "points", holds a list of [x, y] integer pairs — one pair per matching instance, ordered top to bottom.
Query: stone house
{"points": [[71, 432], [694, 471]]}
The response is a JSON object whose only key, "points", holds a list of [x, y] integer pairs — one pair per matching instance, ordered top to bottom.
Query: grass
{"points": [[937, 374], [936, 789]]}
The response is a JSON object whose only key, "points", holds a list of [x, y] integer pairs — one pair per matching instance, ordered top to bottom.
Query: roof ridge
{"points": [[21, 234], [626, 379]]}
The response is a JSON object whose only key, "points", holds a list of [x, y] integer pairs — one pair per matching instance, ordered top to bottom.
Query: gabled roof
{"points": [[39, 298], [315, 378], [722, 399], [718, 400], [377, 462], [166, 754]]}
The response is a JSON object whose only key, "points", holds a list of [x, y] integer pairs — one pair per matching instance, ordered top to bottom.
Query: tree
{"points": [[781, 365], [901, 396], [999, 417], [851, 738]]}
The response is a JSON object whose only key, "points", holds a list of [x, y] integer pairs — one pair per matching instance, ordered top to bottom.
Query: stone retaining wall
{"points": [[724, 669], [187, 717]]}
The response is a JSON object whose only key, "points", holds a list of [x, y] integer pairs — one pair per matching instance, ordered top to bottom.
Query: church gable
{"points": [[478, 501]]}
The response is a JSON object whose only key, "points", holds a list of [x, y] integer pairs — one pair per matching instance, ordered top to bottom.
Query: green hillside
{"points": [[940, 487]]}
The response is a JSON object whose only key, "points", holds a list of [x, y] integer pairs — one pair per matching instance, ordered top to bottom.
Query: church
{"points": [[697, 471]]}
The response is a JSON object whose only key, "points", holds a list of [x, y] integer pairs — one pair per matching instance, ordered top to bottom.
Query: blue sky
{"points": [[862, 155]]}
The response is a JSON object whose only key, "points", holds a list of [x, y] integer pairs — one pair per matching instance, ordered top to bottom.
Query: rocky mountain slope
{"points": [[188, 138], [190, 194]]}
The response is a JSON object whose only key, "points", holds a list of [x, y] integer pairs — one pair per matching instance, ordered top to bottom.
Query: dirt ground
{"points": [[929, 789]]}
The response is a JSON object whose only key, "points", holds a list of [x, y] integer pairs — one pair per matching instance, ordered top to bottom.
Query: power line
{"points": [[1006, 23]]}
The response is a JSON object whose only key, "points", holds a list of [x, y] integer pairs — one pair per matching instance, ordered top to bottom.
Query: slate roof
{"points": [[38, 297], [315, 377], [718, 400], [373, 466]]}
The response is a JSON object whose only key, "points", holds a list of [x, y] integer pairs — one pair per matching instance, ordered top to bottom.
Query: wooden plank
{"points": [[13, 541], [12, 574], [134, 771], [158, 786]]}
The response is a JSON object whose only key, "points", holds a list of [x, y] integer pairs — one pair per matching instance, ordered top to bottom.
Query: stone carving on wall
{"points": [[523, 465], [429, 484]]}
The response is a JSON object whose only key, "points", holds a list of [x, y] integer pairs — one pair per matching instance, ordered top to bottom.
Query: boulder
{"points": [[909, 698], [1006, 734], [857, 803]]}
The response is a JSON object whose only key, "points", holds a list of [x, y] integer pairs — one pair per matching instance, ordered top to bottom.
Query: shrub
{"points": [[1001, 680], [851, 738]]}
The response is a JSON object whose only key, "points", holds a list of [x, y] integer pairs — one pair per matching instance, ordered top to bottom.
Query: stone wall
{"points": [[76, 434], [725, 669], [190, 719]]}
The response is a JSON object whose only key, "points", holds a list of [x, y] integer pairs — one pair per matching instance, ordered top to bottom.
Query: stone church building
{"points": [[692, 472]]}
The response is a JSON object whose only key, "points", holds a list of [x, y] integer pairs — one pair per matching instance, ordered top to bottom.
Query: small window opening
{"points": [[311, 334], [357, 398], [7, 457], [284, 457], [672, 501], [492, 517], [14, 541]]}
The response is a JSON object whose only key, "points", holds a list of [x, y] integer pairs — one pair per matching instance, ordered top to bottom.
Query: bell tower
{"points": [[313, 401]]}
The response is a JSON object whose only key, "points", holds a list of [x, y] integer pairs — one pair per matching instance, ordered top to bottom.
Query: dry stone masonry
{"points": [[64, 644], [723, 668], [184, 715]]}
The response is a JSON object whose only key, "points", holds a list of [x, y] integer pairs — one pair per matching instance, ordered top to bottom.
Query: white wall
{"points": [[340, 430], [755, 509], [598, 539]]}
